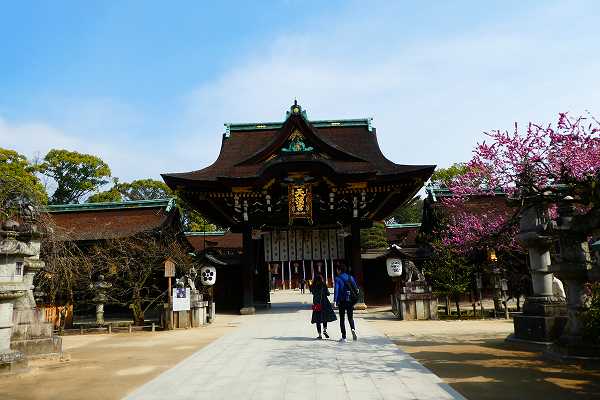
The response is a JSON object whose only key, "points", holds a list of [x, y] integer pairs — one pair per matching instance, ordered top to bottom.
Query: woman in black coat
{"points": [[322, 309]]}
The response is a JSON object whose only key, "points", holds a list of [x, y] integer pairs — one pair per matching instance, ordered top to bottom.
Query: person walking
{"points": [[302, 285], [345, 296], [322, 309]]}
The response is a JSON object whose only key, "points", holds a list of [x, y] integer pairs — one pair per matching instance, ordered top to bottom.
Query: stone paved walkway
{"points": [[273, 355]]}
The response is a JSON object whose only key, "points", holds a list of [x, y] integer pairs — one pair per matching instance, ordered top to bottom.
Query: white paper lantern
{"points": [[394, 267], [208, 276]]}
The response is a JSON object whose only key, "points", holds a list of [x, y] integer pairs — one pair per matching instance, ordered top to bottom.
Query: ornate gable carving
{"points": [[296, 143]]}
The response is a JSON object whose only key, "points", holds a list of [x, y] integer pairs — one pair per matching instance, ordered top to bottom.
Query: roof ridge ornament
{"points": [[296, 109]]}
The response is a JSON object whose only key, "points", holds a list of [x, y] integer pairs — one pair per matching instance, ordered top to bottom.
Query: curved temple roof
{"points": [[346, 146], [343, 153]]}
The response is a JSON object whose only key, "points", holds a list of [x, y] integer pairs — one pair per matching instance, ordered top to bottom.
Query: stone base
{"points": [[414, 302], [360, 306], [547, 306], [421, 309], [247, 311], [543, 319], [539, 328], [530, 345], [36, 347], [582, 352], [12, 362]]}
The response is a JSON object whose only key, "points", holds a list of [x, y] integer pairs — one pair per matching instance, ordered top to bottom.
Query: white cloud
{"points": [[431, 95], [430, 98], [127, 158]]}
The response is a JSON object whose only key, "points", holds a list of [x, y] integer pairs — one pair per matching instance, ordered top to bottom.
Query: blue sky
{"points": [[148, 85]]}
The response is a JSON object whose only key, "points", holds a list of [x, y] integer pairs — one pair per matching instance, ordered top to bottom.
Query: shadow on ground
{"points": [[370, 359], [493, 369]]}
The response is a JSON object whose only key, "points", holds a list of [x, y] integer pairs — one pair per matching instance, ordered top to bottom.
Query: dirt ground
{"points": [[473, 357], [102, 366]]}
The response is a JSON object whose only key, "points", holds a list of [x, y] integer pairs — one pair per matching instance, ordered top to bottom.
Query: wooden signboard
{"points": [[169, 269]]}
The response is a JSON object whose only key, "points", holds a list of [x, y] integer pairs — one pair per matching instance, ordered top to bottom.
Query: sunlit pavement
{"points": [[273, 355]]}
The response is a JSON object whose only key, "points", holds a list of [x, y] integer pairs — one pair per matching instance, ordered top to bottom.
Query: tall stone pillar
{"points": [[572, 267], [248, 272], [544, 315], [23, 328]]}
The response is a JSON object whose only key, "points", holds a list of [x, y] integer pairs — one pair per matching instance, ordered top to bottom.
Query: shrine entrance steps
{"points": [[273, 355]]}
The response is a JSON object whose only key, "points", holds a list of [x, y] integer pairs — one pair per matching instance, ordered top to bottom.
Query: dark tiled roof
{"points": [[357, 141], [82, 222], [403, 235], [217, 240]]}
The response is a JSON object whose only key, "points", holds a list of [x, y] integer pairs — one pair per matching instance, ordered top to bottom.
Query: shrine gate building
{"points": [[299, 191]]}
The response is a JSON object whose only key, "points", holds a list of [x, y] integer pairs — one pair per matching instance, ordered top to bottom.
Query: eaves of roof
{"points": [[257, 126], [168, 204], [412, 225]]}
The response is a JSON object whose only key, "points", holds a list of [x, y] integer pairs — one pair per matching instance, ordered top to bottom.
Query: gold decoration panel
{"points": [[300, 202]]}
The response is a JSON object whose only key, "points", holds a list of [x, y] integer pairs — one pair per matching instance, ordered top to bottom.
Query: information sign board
{"points": [[181, 299]]}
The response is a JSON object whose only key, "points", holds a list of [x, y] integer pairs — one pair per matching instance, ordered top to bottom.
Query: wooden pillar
{"points": [[356, 262], [248, 272]]}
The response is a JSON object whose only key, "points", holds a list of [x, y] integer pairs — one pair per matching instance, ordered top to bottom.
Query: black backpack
{"points": [[350, 291]]}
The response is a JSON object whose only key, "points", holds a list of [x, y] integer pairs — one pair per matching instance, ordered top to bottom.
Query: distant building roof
{"points": [[97, 221], [404, 235], [214, 240]]}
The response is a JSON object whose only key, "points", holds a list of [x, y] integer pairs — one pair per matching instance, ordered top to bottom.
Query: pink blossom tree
{"points": [[521, 164], [534, 167]]}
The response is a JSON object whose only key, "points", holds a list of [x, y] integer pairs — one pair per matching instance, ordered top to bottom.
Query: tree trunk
{"points": [[457, 302], [518, 303], [136, 308], [448, 311]]}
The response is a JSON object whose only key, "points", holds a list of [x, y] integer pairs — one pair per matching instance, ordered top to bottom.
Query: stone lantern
{"points": [[573, 267], [100, 287], [544, 315], [23, 328]]}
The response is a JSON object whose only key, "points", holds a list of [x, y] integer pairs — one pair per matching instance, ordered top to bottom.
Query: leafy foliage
{"points": [[75, 174], [444, 176], [18, 184], [141, 189], [144, 189], [107, 196], [412, 212], [374, 237], [448, 273], [591, 317]]}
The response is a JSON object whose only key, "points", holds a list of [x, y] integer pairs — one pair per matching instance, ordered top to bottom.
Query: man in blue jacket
{"points": [[343, 298]]}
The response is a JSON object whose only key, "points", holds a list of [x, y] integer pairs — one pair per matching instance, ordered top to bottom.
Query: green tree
{"points": [[75, 174], [443, 176], [18, 184], [141, 189], [144, 189], [109, 196], [411, 212], [193, 221], [374, 237], [448, 273]]}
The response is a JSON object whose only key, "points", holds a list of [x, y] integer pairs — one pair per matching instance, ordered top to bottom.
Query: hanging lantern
{"points": [[394, 267], [208, 275]]}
